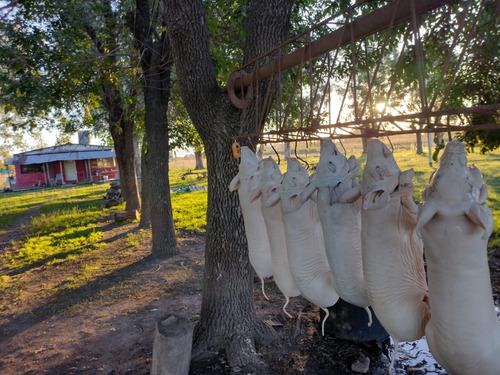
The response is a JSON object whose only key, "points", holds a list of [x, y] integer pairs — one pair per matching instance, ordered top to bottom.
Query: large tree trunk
{"points": [[156, 64], [122, 132], [419, 144], [286, 150], [137, 155], [198, 156], [145, 202], [228, 320]]}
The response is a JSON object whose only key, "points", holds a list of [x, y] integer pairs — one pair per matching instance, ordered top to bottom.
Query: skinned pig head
{"points": [[334, 172], [248, 173], [380, 175], [295, 181], [452, 181], [270, 184], [455, 188]]}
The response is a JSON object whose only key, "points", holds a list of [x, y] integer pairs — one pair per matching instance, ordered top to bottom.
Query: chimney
{"points": [[83, 137]]}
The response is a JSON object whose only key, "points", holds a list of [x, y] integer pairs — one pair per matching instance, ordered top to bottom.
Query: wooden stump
{"points": [[127, 215], [172, 346]]}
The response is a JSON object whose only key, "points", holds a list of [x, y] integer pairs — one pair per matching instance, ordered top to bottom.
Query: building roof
{"points": [[68, 151]]}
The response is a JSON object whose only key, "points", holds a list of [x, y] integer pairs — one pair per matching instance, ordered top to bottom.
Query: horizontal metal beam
{"points": [[371, 23], [371, 133], [285, 135]]}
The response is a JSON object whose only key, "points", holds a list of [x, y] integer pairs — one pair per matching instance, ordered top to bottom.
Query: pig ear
{"points": [[387, 153], [352, 162], [406, 176], [254, 182], [235, 183], [309, 190], [427, 193], [483, 194], [254, 195], [350, 195], [272, 199], [376, 199], [291, 203], [426, 212], [481, 215]]}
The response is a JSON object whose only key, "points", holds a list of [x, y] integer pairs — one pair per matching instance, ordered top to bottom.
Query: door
{"points": [[70, 170]]}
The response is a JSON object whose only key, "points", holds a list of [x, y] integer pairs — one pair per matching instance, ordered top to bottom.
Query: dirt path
{"points": [[106, 325]]}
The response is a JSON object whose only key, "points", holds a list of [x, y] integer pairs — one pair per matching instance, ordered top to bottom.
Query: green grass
{"points": [[14, 205], [189, 210], [65, 225], [63, 228], [135, 239]]}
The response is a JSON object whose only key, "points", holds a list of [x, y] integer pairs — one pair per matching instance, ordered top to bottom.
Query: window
{"points": [[103, 163], [31, 168]]}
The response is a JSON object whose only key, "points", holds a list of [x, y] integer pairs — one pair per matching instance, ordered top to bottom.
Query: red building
{"points": [[65, 164]]}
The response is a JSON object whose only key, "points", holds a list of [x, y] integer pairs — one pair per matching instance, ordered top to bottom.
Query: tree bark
{"points": [[156, 63], [122, 132], [419, 144], [286, 150], [137, 155], [198, 156], [145, 202], [228, 320]]}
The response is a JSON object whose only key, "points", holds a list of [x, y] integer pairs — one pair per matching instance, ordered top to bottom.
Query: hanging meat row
{"points": [[326, 236]]}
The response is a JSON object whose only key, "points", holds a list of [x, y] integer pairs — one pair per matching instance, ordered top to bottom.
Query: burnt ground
{"points": [[106, 325]]}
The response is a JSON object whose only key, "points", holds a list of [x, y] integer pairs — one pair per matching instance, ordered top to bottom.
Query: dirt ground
{"points": [[106, 326]]}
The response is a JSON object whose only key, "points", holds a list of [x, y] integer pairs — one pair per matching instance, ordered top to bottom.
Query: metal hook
{"points": [[276, 152], [299, 158]]}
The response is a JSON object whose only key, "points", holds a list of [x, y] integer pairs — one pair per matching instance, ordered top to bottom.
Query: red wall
{"points": [[28, 179], [38, 179]]}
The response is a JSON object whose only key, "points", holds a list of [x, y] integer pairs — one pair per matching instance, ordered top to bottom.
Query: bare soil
{"points": [[106, 325]]}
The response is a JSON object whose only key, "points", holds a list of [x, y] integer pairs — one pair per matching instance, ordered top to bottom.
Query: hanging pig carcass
{"points": [[247, 181], [270, 183], [339, 208], [304, 239], [392, 251], [463, 332]]}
